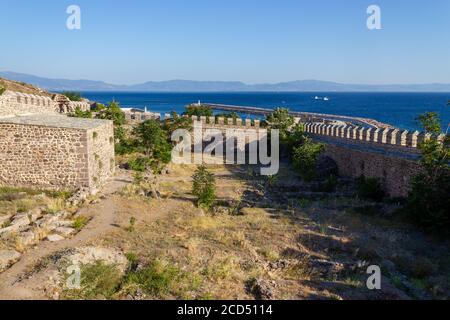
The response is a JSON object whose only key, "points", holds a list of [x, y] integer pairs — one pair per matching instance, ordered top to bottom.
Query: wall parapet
{"points": [[16, 103], [221, 121], [388, 137]]}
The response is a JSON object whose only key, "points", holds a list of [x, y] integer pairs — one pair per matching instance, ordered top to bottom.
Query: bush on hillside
{"points": [[153, 141], [304, 158], [204, 187]]}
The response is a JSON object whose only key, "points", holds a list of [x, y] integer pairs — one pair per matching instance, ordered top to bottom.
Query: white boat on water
{"points": [[326, 99]]}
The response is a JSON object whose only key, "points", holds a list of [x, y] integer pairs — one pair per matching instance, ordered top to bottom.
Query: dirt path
{"points": [[103, 218]]}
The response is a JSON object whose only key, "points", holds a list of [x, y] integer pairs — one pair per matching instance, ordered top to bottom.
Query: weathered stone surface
{"points": [[54, 152], [49, 222], [65, 231], [27, 238], [54, 238], [90, 255], [8, 258]]}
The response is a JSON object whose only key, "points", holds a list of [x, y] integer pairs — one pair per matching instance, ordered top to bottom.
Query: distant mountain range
{"points": [[219, 86]]}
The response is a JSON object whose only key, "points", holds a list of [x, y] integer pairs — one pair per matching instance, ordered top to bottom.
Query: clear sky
{"points": [[253, 41]]}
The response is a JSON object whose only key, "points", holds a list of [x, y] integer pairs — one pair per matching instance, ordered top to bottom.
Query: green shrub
{"points": [[2, 90], [73, 96], [200, 111], [113, 112], [81, 114], [281, 120], [176, 122], [154, 142], [124, 144], [304, 158], [139, 164], [204, 187], [369, 188], [428, 203], [80, 222], [155, 279], [98, 281]]}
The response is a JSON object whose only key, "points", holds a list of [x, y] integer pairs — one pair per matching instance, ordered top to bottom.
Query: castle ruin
{"points": [[41, 147]]}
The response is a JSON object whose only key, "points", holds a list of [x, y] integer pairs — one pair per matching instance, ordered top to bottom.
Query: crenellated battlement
{"points": [[16, 103], [227, 122], [390, 137]]}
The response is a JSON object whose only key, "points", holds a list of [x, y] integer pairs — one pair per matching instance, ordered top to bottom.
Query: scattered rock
{"points": [[20, 222], [49, 222], [64, 231], [28, 238], [54, 238], [90, 255], [8, 258], [325, 268], [262, 289]]}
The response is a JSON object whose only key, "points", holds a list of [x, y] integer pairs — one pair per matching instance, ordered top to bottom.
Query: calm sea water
{"points": [[398, 109]]}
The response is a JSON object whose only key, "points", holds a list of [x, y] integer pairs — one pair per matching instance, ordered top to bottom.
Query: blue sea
{"points": [[398, 109]]}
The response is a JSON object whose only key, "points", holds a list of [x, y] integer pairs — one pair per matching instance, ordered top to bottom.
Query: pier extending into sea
{"points": [[303, 116]]}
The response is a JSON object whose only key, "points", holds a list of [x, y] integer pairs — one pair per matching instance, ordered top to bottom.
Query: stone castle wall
{"points": [[16, 103], [101, 154], [390, 155], [43, 157], [50, 157]]}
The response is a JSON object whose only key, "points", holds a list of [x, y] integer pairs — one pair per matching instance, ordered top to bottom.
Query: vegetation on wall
{"points": [[2, 90], [73, 96], [81, 114]]}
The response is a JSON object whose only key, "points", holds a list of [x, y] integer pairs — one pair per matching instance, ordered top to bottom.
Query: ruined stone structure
{"points": [[16, 103], [41, 148], [385, 153]]}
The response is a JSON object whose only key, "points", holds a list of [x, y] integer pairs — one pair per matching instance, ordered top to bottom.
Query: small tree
{"points": [[2, 90], [73, 96], [196, 110], [114, 113], [281, 120], [176, 122], [153, 141], [304, 158], [203, 187], [428, 203]]}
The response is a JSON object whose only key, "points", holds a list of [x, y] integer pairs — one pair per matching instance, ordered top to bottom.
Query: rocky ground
{"points": [[277, 238]]}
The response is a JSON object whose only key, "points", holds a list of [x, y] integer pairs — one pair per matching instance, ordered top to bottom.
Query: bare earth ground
{"points": [[264, 242]]}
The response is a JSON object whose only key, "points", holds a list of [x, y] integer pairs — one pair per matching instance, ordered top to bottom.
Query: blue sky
{"points": [[247, 40]]}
